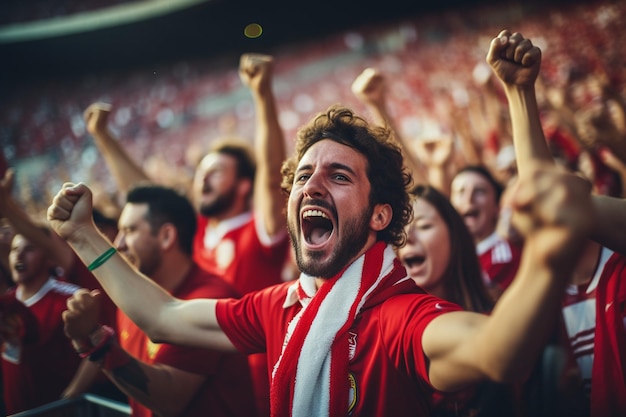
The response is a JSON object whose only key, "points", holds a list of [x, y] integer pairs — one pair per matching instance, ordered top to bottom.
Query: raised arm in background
{"points": [[516, 62], [256, 72], [371, 88], [602, 122], [531, 145], [437, 157], [618, 165], [123, 168], [550, 210], [25, 225]]}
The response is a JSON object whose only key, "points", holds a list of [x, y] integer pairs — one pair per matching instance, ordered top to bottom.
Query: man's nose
{"points": [[315, 186], [120, 241]]}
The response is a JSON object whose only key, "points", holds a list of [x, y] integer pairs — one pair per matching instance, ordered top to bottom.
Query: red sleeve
{"points": [[199, 284], [13, 309], [239, 320], [403, 321], [257, 322], [195, 360]]}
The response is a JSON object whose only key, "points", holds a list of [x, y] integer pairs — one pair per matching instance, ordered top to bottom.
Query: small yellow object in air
{"points": [[253, 30]]}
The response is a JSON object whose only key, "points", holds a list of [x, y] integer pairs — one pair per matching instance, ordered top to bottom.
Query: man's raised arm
{"points": [[516, 62], [256, 72], [123, 168], [552, 211], [162, 317]]}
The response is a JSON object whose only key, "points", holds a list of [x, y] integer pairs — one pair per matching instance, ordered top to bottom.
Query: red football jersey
{"points": [[239, 255], [499, 260], [580, 313], [387, 369], [37, 373]]}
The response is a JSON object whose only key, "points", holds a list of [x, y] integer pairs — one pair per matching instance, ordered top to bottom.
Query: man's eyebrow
{"points": [[334, 165], [337, 165], [304, 168]]}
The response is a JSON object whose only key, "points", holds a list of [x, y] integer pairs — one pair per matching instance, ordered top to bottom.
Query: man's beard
{"points": [[222, 203], [354, 239], [147, 264]]}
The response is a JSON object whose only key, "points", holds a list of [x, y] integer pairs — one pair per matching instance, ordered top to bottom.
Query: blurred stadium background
{"points": [[169, 68]]}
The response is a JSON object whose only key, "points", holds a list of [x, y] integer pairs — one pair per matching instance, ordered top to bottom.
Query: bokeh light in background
{"points": [[253, 30]]}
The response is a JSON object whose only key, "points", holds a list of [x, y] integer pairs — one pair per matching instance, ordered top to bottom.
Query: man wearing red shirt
{"points": [[155, 234], [242, 234], [233, 241], [67, 265], [377, 349]]}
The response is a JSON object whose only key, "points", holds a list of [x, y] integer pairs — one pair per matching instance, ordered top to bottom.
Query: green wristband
{"points": [[102, 258]]}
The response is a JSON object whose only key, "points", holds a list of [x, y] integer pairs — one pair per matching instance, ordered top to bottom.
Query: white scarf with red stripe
{"points": [[313, 366]]}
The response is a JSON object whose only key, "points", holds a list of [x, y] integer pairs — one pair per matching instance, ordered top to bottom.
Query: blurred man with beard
{"points": [[156, 229], [241, 233], [234, 239]]}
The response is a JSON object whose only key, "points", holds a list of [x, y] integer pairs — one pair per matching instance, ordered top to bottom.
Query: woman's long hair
{"points": [[463, 282]]}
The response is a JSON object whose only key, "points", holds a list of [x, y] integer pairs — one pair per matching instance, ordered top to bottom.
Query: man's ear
{"points": [[244, 187], [381, 217], [168, 235]]}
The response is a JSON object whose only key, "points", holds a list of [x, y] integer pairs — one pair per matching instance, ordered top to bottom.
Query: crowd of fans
{"points": [[435, 66]]}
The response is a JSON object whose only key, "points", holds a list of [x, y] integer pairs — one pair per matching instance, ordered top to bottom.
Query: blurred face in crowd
{"points": [[215, 185], [475, 199], [329, 213], [6, 237], [136, 240], [426, 254], [28, 262]]}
